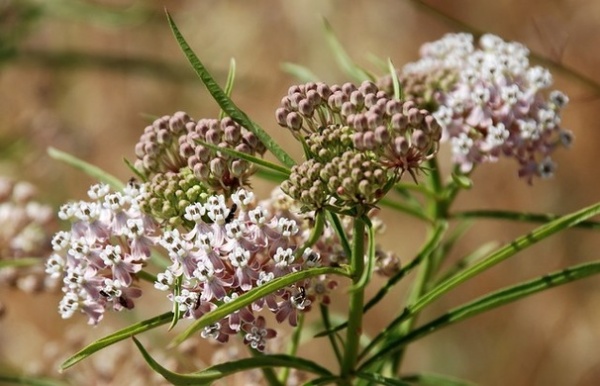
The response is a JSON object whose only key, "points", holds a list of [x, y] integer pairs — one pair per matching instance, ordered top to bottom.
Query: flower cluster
{"points": [[489, 101], [359, 141], [172, 143], [25, 232], [108, 243], [231, 249]]}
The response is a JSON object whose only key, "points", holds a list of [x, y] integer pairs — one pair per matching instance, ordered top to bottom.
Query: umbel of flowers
{"points": [[489, 101], [358, 141]]}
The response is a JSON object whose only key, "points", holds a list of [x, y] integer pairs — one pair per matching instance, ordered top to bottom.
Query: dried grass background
{"points": [[81, 80]]}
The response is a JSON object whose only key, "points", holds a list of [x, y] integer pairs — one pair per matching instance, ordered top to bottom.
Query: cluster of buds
{"points": [[490, 102], [359, 142], [173, 143], [167, 195], [25, 232], [231, 249], [98, 259]]}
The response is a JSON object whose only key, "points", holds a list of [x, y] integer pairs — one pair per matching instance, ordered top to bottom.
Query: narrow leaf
{"points": [[342, 57], [302, 73], [395, 82], [229, 83], [224, 101], [247, 157], [89, 169], [135, 171], [270, 175], [519, 216], [507, 251], [21, 262], [253, 295], [488, 302], [117, 336], [214, 373], [379, 379], [327, 380], [435, 380], [29, 381]]}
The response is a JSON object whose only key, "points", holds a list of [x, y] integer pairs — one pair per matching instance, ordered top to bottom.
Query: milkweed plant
{"points": [[234, 268]]}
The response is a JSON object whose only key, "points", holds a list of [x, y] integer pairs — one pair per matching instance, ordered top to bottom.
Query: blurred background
{"points": [[82, 76]]}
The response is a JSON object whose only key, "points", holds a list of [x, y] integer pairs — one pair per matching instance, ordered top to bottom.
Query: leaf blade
{"points": [[224, 101], [87, 168], [115, 337], [216, 372]]}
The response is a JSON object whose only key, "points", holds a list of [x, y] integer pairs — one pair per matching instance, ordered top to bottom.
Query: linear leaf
{"points": [[342, 57], [302, 73], [395, 82], [229, 83], [224, 101], [247, 157], [89, 169], [134, 170], [270, 175], [519, 216], [507, 251], [21, 262], [253, 295], [488, 302], [117, 336], [213, 373], [379, 379], [435, 380], [29, 381]]}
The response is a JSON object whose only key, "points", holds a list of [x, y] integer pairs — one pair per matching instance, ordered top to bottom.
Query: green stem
{"points": [[438, 208], [408, 209], [518, 216], [150, 278], [355, 313], [332, 336], [293, 347]]}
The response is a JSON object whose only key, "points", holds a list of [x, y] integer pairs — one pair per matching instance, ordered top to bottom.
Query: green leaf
{"points": [[342, 57], [302, 73], [395, 82], [229, 83], [225, 102], [245, 156], [89, 169], [135, 171], [270, 175], [462, 181], [408, 209], [519, 216], [507, 251], [469, 259], [22, 262], [253, 295], [488, 302], [118, 336], [216, 372], [327, 380], [381, 380], [435, 380], [30, 381]]}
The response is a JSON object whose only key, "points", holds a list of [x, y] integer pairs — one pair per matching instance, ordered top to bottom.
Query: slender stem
{"points": [[438, 208], [408, 209], [518, 216], [355, 314], [327, 324], [293, 347]]}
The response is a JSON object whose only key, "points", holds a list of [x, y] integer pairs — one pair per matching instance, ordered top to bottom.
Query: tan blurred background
{"points": [[80, 75]]}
